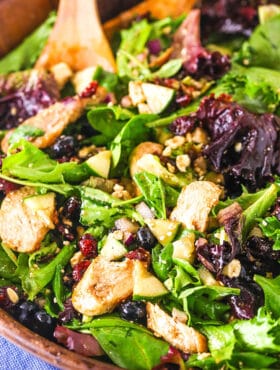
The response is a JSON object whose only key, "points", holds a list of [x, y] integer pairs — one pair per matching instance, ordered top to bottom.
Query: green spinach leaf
{"points": [[108, 121], [133, 133], [152, 188], [271, 288], [128, 345]]}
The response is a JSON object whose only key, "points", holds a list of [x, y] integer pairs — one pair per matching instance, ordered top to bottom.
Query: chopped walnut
{"points": [[199, 136], [175, 142], [183, 161], [200, 166], [120, 192], [232, 269]]}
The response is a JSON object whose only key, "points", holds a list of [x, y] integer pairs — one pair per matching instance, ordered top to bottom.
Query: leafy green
{"points": [[139, 31], [263, 47], [26, 54], [168, 69], [110, 81], [255, 88], [108, 121], [24, 132], [133, 133], [33, 164], [152, 188], [64, 189], [259, 207], [101, 209], [270, 227], [162, 260], [7, 266], [34, 278], [59, 287], [271, 288], [211, 307], [258, 334], [221, 342], [128, 345]]}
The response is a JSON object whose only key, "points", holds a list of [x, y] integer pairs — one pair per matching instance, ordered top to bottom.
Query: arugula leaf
{"points": [[139, 31], [263, 47], [26, 54], [255, 88], [108, 121], [24, 132], [133, 133], [33, 164], [152, 188], [259, 207], [100, 209], [270, 227], [7, 266], [34, 279], [59, 287], [271, 288], [211, 307], [258, 334], [221, 342], [128, 345]]}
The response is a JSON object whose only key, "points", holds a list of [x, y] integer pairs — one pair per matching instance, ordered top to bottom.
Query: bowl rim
{"points": [[48, 351]]}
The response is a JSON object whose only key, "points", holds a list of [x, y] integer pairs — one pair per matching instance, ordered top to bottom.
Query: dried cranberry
{"points": [[89, 90], [182, 125], [7, 186], [71, 209], [66, 231], [88, 246], [140, 254], [79, 270], [133, 311]]}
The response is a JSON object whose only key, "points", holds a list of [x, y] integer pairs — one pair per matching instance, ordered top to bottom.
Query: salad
{"points": [[140, 209]]}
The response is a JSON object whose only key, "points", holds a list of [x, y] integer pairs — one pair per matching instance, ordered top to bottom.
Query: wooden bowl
{"points": [[48, 351]]}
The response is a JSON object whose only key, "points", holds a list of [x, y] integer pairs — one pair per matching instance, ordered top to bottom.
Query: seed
{"points": [[14, 298]]}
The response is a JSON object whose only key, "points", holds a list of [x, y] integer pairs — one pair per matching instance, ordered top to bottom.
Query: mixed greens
{"points": [[140, 216]]}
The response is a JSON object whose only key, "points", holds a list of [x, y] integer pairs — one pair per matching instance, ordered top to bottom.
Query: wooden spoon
{"points": [[158, 9], [77, 38]]}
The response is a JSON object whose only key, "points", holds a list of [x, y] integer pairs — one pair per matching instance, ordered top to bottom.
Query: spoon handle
{"points": [[77, 38]]}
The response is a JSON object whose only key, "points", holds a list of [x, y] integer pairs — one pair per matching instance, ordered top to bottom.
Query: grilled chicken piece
{"points": [[54, 119], [194, 204], [23, 225], [103, 285], [179, 335]]}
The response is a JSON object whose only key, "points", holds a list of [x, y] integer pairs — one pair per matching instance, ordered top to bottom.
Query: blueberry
{"points": [[63, 147], [145, 238], [26, 311], [133, 311], [43, 324]]}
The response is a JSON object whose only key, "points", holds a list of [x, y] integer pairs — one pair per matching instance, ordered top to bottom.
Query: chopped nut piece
{"points": [[62, 73], [136, 92], [175, 142], [183, 161], [232, 269]]}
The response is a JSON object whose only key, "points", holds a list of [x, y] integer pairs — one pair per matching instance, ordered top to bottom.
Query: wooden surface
{"points": [[18, 18]]}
